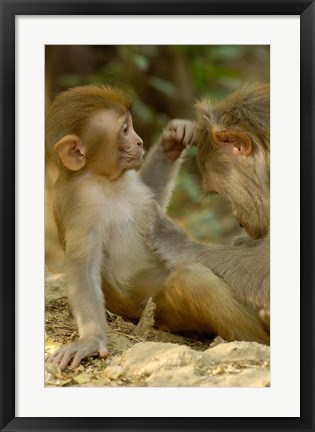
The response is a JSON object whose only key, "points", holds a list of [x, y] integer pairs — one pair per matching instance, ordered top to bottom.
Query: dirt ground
{"points": [[140, 355]]}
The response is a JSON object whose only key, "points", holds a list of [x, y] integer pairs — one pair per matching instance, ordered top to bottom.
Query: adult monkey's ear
{"points": [[235, 140], [71, 152]]}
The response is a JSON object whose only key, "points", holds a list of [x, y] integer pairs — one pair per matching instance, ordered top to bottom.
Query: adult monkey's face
{"points": [[233, 139]]}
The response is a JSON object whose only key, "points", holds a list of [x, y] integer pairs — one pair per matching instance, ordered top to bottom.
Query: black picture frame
{"points": [[9, 10]]}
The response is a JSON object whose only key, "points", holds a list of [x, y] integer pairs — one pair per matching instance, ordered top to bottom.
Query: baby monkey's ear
{"points": [[235, 140], [71, 152]]}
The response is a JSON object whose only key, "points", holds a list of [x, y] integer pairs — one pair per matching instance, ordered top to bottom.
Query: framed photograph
{"points": [[47, 47]]}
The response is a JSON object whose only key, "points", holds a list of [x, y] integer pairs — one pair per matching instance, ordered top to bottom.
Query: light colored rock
{"points": [[240, 351], [157, 364], [113, 372], [249, 377]]}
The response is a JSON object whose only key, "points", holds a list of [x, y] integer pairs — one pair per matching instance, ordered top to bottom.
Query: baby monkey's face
{"points": [[114, 145]]}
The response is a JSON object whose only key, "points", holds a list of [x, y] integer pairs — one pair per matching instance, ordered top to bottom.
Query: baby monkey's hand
{"points": [[178, 135], [77, 351]]}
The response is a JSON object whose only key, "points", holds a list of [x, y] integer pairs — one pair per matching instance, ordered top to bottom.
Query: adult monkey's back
{"points": [[233, 139]]}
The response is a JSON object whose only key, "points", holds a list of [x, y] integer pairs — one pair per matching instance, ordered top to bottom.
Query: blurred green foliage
{"points": [[165, 81]]}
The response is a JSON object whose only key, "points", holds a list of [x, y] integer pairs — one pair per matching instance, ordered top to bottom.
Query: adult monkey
{"points": [[233, 139], [104, 211]]}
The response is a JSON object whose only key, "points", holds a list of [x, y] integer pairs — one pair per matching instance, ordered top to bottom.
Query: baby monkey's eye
{"points": [[125, 128]]}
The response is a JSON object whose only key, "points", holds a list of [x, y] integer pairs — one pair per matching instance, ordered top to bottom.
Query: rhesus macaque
{"points": [[233, 140], [235, 162], [105, 211]]}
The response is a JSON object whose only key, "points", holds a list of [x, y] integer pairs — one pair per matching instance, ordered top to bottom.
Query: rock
{"points": [[146, 322], [217, 341], [249, 352], [157, 364], [113, 372]]}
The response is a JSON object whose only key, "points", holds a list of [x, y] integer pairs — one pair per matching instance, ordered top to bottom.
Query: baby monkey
{"points": [[104, 210]]}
